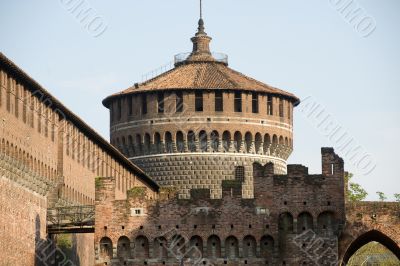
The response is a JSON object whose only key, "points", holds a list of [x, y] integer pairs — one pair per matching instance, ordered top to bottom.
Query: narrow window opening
{"points": [[219, 101], [160, 102], [179, 102], [199, 102], [238, 102], [254, 103], [144, 104], [280, 107], [239, 173]]}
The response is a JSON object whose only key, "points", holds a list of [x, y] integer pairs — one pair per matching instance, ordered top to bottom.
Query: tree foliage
{"points": [[354, 191], [382, 196], [397, 197]]}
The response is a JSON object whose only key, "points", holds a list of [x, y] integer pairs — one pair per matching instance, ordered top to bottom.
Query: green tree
{"points": [[354, 191], [382, 196], [397, 197]]}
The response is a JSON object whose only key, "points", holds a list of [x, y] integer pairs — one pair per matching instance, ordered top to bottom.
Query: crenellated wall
{"points": [[287, 213]]}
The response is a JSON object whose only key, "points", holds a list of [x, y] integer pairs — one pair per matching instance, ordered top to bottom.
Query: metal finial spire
{"points": [[201, 9], [201, 21]]}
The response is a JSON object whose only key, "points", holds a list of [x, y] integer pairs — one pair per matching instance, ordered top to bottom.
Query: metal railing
{"points": [[219, 57], [71, 219]]}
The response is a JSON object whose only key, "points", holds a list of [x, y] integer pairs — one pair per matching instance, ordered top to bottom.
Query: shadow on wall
{"points": [[59, 250]]}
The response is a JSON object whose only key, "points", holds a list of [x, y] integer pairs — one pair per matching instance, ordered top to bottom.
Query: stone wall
{"points": [[204, 170]]}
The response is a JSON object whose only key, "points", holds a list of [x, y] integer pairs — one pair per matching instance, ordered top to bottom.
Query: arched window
{"points": [[203, 140], [214, 140], [226, 140], [237, 140], [274, 140], [191, 141], [248, 141], [281, 141], [138, 142], [157, 142], [168, 142], [267, 142], [286, 142], [258, 143], [147, 144], [180, 144], [131, 146], [239, 173], [286, 222], [304, 222], [266, 246], [141, 247], [160, 247], [213, 247], [231, 247], [249, 247], [106, 248], [123, 248], [196, 248]]}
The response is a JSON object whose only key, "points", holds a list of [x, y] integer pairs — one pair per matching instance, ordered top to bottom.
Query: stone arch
{"points": [[214, 137], [191, 138], [248, 139], [203, 140], [226, 140], [237, 140], [274, 140], [281, 141], [286, 141], [157, 142], [168, 142], [258, 142], [267, 142], [138, 143], [147, 143], [180, 144], [130, 145], [285, 222], [304, 222], [365, 238], [266, 246], [141, 247], [160, 247], [196, 247], [214, 247], [231, 247], [249, 247], [106, 248], [123, 248]]}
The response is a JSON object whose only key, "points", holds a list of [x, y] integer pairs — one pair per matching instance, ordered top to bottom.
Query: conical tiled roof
{"points": [[200, 70]]}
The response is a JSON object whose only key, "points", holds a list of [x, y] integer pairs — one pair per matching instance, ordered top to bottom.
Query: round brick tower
{"points": [[202, 122]]}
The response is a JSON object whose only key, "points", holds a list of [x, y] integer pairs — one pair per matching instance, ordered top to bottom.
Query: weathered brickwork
{"points": [[48, 157], [271, 228]]}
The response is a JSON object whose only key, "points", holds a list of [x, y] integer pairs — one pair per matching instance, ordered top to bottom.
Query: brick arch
{"points": [[370, 221], [365, 238]]}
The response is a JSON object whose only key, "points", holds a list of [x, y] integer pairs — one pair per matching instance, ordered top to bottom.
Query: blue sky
{"points": [[305, 47]]}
